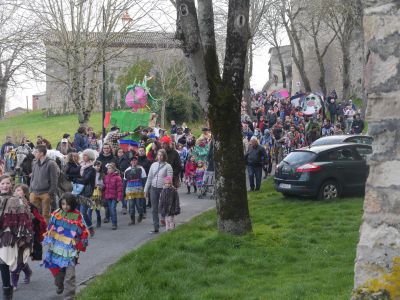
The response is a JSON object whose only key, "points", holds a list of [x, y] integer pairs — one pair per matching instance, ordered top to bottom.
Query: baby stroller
{"points": [[208, 185]]}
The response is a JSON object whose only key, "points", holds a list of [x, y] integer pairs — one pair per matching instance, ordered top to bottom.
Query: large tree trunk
{"points": [[188, 32], [345, 46], [298, 55], [320, 60], [248, 70], [3, 98], [224, 106], [163, 110], [233, 212], [378, 252]]}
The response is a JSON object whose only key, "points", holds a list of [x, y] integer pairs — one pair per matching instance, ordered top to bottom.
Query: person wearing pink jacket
{"points": [[112, 192]]}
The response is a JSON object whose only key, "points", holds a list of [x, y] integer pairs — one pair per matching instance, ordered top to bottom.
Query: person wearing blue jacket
{"points": [[81, 141]]}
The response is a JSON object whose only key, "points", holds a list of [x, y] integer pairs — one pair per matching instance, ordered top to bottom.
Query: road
{"points": [[105, 248]]}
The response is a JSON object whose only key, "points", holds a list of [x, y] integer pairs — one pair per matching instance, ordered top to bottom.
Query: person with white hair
{"points": [[254, 160]]}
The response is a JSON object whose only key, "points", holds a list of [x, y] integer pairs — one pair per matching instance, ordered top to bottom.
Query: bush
{"points": [[183, 108]]}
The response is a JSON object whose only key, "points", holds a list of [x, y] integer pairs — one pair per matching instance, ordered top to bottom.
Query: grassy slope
{"points": [[36, 123], [52, 128], [299, 249]]}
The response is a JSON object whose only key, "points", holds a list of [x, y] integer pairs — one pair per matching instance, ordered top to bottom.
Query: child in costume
{"points": [[190, 174], [199, 176], [134, 181], [112, 191], [169, 203], [39, 228], [16, 233], [66, 236]]}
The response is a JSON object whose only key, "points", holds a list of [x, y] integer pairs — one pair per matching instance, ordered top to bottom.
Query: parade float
{"points": [[139, 99]]}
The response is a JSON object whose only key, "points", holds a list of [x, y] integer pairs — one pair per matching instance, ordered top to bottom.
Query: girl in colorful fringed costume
{"points": [[199, 175], [134, 181], [39, 228], [16, 233], [66, 236]]}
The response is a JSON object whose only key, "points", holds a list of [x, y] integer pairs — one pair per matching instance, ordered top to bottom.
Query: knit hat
{"points": [[166, 139], [134, 158], [168, 179]]}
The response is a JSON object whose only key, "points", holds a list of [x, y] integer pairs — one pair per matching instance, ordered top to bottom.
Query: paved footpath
{"points": [[105, 248]]}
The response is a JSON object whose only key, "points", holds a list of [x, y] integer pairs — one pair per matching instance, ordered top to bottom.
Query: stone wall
{"points": [[274, 69], [57, 101], [377, 267]]}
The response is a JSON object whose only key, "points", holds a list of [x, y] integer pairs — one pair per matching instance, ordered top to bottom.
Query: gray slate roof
{"points": [[128, 39]]}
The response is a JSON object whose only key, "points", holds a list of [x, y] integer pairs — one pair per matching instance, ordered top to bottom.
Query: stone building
{"points": [[131, 47], [332, 60], [333, 65], [274, 70], [39, 101], [15, 112]]}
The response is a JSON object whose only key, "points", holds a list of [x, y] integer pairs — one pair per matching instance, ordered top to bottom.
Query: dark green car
{"points": [[324, 172]]}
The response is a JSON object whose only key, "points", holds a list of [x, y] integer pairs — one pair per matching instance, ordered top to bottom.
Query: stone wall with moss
{"points": [[377, 266]]}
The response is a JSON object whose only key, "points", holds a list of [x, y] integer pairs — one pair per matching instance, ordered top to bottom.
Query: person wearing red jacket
{"points": [[190, 172], [112, 192]]}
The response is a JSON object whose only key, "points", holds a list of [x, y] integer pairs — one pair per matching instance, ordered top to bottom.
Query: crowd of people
{"points": [[276, 126], [101, 173], [100, 176]]}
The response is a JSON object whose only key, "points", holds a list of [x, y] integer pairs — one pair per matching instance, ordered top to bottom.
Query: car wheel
{"points": [[329, 190]]}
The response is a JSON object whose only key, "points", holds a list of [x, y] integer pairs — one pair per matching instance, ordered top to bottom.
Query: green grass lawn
{"points": [[36, 123], [52, 128], [299, 249]]}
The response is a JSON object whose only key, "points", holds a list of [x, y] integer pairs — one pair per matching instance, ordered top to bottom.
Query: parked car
{"points": [[338, 139], [324, 172]]}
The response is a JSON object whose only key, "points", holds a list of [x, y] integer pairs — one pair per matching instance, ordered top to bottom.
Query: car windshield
{"points": [[365, 140], [325, 141], [299, 157]]}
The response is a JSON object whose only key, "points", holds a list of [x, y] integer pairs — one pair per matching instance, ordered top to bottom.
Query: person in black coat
{"points": [[332, 109], [358, 125], [106, 157], [172, 158], [123, 159], [143, 160], [254, 160], [72, 168], [88, 179]]}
